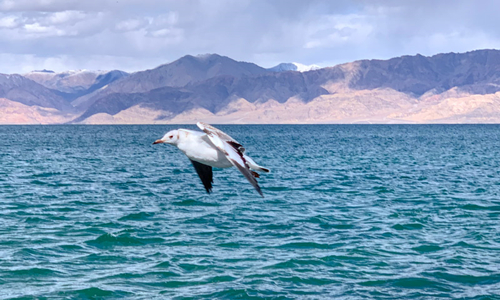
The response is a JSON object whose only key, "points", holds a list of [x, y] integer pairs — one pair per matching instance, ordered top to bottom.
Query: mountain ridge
{"points": [[181, 72], [74, 83], [20, 89], [402, 89]]}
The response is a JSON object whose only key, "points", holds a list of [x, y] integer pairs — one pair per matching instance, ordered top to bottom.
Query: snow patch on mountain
{"points": [[283, 67]]}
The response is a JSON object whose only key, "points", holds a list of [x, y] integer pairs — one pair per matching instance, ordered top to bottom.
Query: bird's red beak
{"points": [[158, 142]]}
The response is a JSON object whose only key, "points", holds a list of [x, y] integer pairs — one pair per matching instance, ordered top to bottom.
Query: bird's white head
{"points": [[170, 137]]}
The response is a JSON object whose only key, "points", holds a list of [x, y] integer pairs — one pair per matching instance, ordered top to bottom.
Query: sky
{"points": [[134, 35]]}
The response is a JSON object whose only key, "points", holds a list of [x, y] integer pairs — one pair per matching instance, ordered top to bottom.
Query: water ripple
{"points": [[350, 212]]}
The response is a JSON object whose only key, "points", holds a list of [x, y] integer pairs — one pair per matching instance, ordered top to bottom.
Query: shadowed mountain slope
{"points": [[184, 71], [479, 71], [213, 82], [74, 84], [454, 87], [23, 90], [217, 92]]}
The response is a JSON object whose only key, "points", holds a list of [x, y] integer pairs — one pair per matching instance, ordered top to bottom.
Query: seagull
{"points": [[213, 148]]}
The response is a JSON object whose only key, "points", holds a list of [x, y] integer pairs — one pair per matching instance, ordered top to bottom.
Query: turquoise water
{"points": [[350, 211]]}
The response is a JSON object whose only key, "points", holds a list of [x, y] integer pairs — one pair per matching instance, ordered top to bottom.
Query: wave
{"points": [[109, 240]]}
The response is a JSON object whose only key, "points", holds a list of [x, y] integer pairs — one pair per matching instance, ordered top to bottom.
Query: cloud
{"points": [[66, 17], [9, 22], [131, 24], [335, 30], [133, 35]]}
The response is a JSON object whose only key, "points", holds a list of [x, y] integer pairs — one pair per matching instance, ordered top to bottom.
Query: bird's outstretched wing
{"points": [[232, 149], [205, 173]]}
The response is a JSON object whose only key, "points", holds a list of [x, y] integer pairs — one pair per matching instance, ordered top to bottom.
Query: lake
{"points": [[350, 211]]}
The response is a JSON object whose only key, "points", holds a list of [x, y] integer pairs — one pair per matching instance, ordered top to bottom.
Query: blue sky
{"points": [[135, 35]]}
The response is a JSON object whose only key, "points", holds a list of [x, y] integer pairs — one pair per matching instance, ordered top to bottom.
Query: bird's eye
{"points": [[171, 137]]}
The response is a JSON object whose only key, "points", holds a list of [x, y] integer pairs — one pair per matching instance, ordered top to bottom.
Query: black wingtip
{"points": [[205, 174], [260, 192]]}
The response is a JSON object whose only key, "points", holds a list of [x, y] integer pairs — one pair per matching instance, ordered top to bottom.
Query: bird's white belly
{"points": [[205, 153]]}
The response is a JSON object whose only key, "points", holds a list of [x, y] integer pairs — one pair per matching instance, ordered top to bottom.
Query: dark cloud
{"points": [[133, 35]]}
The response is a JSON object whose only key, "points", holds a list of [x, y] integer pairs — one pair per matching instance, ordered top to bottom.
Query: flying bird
{"points": [[213, 148]]}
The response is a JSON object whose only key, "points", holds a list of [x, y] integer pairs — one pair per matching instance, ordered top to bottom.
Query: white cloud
{"points": [[35, 5], [66, 17], [163, 20], [9, 22], [131, 24], [37, 28], [336, 30], [140, 34], [174, 34], [70, 62]]}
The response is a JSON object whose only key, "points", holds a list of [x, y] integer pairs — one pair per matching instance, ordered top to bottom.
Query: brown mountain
{"points": [[184, 71], [476, 71], [416, 77], [67, 82], [75, 84], [452, 87], [23, 90], [213, 94]]}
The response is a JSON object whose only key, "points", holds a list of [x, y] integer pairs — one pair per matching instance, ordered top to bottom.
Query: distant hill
{"points": [[184, 71], [476, 71], [473, 72], [67, 82], [74, 84], [449, 88], [23, 90]]}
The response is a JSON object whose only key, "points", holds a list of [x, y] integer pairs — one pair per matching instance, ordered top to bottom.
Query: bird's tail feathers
{"points": [[254, 166], [262, 169]]}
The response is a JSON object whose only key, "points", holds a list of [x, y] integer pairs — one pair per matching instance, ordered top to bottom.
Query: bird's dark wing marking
{"points": [[221, 135], [237, 146], [233, 151], [236, 158], [205, 173], [248, 175]]}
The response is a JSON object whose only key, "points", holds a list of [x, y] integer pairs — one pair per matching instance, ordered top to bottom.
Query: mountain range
{"points": [[444, 88]]}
